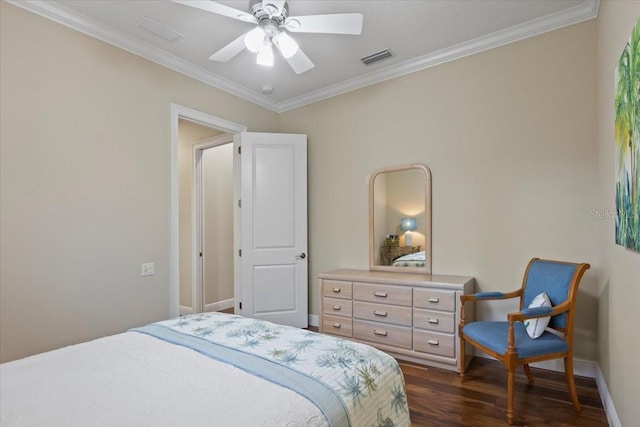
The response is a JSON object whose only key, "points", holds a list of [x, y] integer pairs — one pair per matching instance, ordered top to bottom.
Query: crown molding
{"points": [[575, 15], [93, 28]]}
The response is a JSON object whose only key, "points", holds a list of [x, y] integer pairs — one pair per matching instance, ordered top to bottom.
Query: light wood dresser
{"points": [[411, 316]]}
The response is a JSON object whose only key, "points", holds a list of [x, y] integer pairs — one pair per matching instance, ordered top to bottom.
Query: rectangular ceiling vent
{"points": [[158, 29], [378, 56]]}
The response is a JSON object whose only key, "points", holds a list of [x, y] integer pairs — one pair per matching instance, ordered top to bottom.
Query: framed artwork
{"points": [[627, 143]]}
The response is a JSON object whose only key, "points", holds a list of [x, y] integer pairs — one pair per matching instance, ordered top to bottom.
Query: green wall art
{"points": [[627, 142]]}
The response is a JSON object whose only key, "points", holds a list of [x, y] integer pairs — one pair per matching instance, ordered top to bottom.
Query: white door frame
{"points": [[180, 112], [197, 199]]}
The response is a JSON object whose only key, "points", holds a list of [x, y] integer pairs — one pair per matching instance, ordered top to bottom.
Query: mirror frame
{"points": [[373, 248]]}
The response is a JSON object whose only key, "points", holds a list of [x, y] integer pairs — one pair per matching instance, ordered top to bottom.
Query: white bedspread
{"points": [[142, 381]]}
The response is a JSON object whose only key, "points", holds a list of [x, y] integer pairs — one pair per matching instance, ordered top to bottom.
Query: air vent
{"points": [[158, 29], [378, 56]]}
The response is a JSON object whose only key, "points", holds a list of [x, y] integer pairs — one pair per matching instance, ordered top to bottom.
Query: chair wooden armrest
{"points": [[484, 296], [488, 296], [531, 314], [521, 316]]}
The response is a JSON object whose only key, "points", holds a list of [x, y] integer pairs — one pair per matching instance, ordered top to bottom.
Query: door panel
{"points": [[274, 197], [274, 227], [274, 288]]}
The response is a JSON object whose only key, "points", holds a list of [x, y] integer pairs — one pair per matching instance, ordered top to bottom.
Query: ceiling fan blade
{"points": [[220, 9], [339, 23], [229, 51], [300, 62]]}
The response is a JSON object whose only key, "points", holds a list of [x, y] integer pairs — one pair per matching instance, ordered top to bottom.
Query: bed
{"points": [[410, 260], [209, 369]]}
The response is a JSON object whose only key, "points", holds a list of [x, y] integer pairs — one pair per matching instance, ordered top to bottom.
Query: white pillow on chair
{"points": [[535, 327]]}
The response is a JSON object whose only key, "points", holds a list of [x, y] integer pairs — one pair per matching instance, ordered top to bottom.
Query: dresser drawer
{"points": [[336, 289], [385, 294], [434, 300], [337, 307], [382, 313], [439, 321], [335, 325], [396, 336], [434, 343]]}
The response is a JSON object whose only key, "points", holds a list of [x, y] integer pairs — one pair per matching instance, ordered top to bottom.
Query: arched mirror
{"points": [[400, 219]]}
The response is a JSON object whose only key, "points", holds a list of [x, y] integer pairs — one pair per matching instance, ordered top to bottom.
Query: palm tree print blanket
{"points": [[351, 383]]}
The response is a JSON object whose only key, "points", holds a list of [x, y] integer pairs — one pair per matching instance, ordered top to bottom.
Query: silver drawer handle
{"points": [[336, 290], [380, 294], [434, 300], [337, 307], [380, 313], [433, 321], [337, 325], [381, 333], [433, 342]]}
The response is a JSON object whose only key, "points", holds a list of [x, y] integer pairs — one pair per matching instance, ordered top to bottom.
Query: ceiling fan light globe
{"points": [[254, 40], [286, 44], [265, 56]]}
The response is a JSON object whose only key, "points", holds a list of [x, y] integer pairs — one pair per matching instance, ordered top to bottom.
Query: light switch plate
{"points": [[148, 269]]}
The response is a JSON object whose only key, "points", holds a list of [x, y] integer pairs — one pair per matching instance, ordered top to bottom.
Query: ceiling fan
{"points": [[273, 23]]}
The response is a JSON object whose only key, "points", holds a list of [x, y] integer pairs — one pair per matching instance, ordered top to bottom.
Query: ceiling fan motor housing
{"points": [[265, 12]]}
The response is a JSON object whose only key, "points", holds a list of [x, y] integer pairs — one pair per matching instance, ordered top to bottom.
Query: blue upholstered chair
{"points": [[509, 342]]}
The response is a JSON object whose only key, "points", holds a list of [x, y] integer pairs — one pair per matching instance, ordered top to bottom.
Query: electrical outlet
{"points": [[148, 269]]}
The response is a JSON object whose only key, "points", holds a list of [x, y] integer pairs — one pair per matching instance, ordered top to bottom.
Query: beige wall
{"points": [[189, 133], [509, 135], [84, 182], [619, 281]]}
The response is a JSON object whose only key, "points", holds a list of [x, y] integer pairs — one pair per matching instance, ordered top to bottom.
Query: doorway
{"points": [[213, 236], [184, 265], [270, 265]]}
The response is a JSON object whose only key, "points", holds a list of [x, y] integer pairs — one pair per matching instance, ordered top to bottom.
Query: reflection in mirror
{"points": [[400, 219]]}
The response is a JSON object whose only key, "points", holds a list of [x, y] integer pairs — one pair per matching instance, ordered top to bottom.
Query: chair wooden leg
{"points": [[461, 364], [527, 370], [571, 385], [510, 386]]}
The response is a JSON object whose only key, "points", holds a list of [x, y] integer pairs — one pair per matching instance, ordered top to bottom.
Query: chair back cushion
{"points": [[552, 278]]}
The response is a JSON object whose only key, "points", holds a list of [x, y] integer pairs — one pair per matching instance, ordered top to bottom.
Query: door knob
{"points": [[301, 256]]}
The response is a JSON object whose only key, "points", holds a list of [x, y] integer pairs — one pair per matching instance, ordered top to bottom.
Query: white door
{"points": [[273, 228]]}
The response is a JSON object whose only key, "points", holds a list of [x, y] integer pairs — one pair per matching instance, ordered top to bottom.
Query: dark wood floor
{"points": [[438, 397]]}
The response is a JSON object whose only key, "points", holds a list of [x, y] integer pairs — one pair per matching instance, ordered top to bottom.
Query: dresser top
{"points": [[393, 278]]}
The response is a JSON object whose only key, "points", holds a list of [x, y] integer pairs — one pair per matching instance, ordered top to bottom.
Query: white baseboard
{"points": [[220, 305], [216, 306], [314, 320], [583, 368], [607, 401]]}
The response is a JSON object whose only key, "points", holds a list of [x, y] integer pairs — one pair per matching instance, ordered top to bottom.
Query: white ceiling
{"points": [[420, 33]]}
